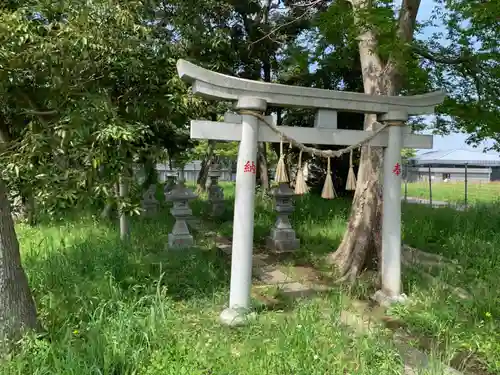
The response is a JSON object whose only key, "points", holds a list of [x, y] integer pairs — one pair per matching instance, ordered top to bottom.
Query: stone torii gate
{"points": [[249, 130]]}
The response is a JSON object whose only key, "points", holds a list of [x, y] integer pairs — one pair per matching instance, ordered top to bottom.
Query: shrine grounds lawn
{"points": [[454, 192], [116, 309]]}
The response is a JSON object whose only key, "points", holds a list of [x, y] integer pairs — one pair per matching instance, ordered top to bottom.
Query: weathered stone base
{"points": [[193, 223], [283, 240], [180, 241], [283, 246], [386, 301], [236, 317]]}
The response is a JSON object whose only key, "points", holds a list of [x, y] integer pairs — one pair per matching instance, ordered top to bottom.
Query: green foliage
{"points": [[463, 59], [85, 89], [408, 153]]}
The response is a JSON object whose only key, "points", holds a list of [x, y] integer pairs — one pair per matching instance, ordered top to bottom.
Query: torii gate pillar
{"points": [[243, 222], [390, 291]]}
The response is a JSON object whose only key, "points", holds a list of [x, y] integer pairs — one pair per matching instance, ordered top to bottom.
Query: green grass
{"points": [[455, 191], [472, 241], [112, 309]]}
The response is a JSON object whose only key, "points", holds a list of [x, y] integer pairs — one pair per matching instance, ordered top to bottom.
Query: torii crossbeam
{"points": [[248, 130]]}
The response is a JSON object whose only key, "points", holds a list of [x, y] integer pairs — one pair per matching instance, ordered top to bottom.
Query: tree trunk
{"points": [[266, 69], [262, 163], [150, 173], [291, 176], [201, 181], [123, 187], [27, 200], [28, 203], [22, 208], [107, 211], [362, 242], [17, 308]]}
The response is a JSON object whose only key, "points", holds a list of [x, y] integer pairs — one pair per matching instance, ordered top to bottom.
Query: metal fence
{"points": [[437, 186]]}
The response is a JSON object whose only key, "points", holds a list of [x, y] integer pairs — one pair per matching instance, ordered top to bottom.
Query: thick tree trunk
{"points": [[263, 169], [201, 181], [27, 200], [23, 208], [362, 243], [361, 246], [17, 308]]}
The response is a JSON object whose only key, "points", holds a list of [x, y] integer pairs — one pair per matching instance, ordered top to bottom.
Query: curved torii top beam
{"points": [[212, 85]]}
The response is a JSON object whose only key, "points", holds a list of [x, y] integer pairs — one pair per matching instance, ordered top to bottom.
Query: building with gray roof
{"points": [[454, 165]]}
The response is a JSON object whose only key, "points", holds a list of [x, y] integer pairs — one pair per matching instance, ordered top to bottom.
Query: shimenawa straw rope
{"points": [[328, 189]]}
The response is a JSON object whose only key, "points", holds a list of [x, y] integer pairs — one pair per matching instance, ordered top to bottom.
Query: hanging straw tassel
{"points": [[281, 176], [351, 177], [301, 187], [328, 189]]}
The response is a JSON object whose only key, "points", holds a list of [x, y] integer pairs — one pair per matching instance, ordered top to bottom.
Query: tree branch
{"points": [[307, 7], [407, 19], [406, 28], [449, 60], [34, 111], [39, 113]]}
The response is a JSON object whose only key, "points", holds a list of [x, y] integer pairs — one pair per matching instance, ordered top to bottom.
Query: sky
{"points": [[452, 141]]}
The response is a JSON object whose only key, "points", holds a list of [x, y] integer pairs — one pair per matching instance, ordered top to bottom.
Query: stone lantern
{"points": [[171, 181], [215, 192], [180, 196], [149, 202], [283, 238]]}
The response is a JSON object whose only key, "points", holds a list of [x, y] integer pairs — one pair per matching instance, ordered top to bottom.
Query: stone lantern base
{"points": [[180, 238], [283, 240], [180, 241]]}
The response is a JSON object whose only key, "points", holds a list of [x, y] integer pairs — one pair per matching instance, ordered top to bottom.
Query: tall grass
{"points": [[138, 308]]}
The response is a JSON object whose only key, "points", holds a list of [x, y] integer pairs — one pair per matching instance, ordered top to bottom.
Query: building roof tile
{"points": [[457, 157]]}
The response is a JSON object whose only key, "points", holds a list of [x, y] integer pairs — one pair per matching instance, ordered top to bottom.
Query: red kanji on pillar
{"points": [[250, 167], [397, 169]]}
